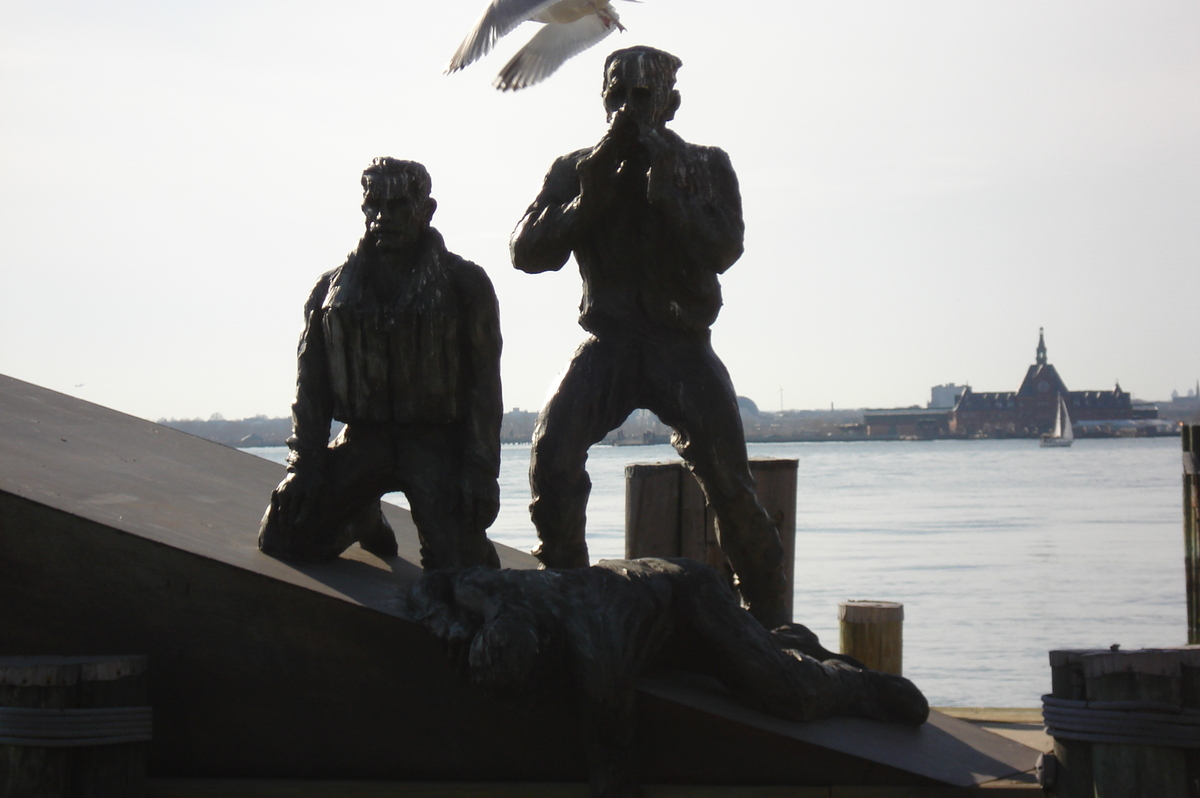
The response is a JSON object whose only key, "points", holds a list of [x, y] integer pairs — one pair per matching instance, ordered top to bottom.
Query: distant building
{"points": [[945, 395], [1189, 402], [1030, 410], [958, 411], [915, 423]]}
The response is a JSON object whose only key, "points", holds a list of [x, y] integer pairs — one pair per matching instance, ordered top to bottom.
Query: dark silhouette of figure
{"points": [[652, 220], [402, 343], [584, 635]]}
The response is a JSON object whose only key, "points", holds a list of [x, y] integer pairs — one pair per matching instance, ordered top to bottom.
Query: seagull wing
{"points": [[498, 19], [549, 49]]}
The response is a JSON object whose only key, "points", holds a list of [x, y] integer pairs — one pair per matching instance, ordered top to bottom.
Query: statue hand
{"points": [[623, 133], [663, 159], [598, 168], [595, 172], [297, 499]]}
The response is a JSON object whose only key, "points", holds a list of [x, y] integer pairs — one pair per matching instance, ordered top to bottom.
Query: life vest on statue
{"points": [[398, 362]]}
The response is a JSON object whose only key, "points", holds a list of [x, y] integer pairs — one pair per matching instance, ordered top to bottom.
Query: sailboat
{"points": [[1062, 435]]}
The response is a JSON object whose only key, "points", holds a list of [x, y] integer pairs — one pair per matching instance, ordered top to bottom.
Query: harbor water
{"points": [[1000, 550]]}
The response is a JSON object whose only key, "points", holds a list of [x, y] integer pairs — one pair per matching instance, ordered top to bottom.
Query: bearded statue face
{"points": [[396, 204]]}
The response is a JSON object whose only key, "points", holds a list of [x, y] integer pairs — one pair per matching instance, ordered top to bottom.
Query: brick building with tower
{"points": [[1027, 412]]}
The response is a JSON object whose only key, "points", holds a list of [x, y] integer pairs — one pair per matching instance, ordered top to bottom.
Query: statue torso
{"points": [[393, 350]]}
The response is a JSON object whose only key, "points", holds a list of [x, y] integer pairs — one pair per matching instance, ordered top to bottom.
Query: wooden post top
{"points": [[774, 464], [870, 611], [1154, 661]]}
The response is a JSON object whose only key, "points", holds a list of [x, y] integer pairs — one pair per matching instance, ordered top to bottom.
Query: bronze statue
{"points": [[652, 220], [402, 343], [586, 634]]}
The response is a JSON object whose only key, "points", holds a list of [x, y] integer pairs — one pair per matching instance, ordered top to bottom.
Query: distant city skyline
{"points": [[924, 184]]}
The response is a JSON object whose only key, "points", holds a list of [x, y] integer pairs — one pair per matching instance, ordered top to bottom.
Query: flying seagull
{"points": [[572, 26]]}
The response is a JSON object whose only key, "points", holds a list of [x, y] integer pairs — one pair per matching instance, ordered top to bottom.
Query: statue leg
{"points": [[693, 394], [595, 395], [428, 469], [360, 472], [318, 514], [373, 532], [446, 542], [777, 678]]}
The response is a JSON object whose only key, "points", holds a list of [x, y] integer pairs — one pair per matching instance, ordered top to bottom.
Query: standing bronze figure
{"points": [[652, 220], [402, 343]]}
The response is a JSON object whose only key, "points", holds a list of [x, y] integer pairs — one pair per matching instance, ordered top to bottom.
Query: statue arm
{"points": [[705, 208], [545, 236], [485, 404], [484, 409], [312, 412]]}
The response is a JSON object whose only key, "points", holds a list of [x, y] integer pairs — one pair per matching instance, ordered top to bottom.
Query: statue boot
{"points": [[373, 532]]}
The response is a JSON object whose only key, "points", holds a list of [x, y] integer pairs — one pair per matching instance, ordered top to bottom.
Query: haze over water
{"points": [[999, 550]]}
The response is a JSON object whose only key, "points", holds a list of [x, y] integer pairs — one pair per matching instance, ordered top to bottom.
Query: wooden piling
{"points": [[666, 514], [652, 524], [1191, 527], [873, 633], [1190, 691], [1123, 724], [57, 740], [1123, 770], [1073, 776]]}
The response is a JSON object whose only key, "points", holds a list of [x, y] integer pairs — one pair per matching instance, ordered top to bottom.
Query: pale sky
{"points": [[925, 185]]}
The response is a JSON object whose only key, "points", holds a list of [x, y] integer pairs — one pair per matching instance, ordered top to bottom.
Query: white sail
{"points": [[1062, 427], [1063, 434]]}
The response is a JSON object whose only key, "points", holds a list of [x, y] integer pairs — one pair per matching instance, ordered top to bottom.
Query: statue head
{"points": [[640, 81], [396, 203], [503, 651]]}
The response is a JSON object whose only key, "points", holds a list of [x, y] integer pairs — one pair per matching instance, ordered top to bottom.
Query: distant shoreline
{"points": [[641, 429]]}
